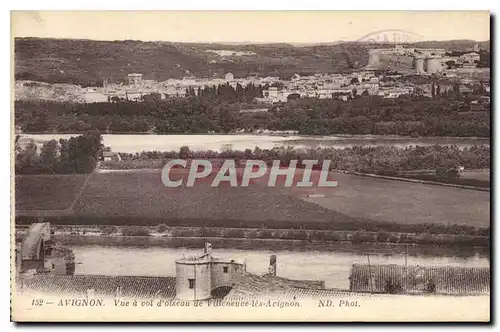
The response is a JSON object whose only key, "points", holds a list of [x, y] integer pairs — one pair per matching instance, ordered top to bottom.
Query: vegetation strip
{"points": [[434, 163], [419, 181], [357, 236]]}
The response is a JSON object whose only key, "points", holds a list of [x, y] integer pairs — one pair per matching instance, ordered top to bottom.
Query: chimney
{"points": [[208, 249], [272, 266]]}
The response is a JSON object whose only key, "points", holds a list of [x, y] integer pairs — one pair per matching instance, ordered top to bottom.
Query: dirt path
{"points": [[82, 188]]}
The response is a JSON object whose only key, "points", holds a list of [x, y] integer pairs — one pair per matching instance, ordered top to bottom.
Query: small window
{"points": [[53, 266], [225, 268], [191, 283]]}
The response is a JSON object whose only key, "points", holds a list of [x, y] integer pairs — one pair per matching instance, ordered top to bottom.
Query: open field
{"points": [[480, 175], [475, 178], [467, 180], [47, 192], [142, 194], [357, 203], [406, 203]]}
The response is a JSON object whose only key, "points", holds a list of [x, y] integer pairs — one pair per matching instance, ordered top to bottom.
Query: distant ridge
{"points": [[89, 62]]}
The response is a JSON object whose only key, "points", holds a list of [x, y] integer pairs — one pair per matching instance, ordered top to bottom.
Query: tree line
{"points": [[217, 110], [406, 115], [75, 155], [382, 160]]}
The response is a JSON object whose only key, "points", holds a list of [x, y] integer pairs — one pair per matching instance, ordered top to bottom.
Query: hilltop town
{"points": [[388, 71]]}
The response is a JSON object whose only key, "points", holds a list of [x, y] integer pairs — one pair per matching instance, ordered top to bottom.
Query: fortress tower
{"points": [[373, 57], [419, 64], [433, 64], [197, 277]]}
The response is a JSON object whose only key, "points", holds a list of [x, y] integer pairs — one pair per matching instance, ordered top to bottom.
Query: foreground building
{"points": [[40, 254], [43, 267], [197, 277]]}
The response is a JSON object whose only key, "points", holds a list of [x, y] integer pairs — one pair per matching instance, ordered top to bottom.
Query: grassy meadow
{"points": [[47, 192], [357, 203]]}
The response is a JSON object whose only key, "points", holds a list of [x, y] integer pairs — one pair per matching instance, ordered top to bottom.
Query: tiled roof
{"points": [[447, 279], [254, 285], [140, 287], [314, 293]]}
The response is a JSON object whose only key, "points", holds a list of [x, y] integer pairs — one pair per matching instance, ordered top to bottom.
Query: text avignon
{"points": [[80, 303]]}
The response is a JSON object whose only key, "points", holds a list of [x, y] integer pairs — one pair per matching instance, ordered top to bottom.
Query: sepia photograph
{"points": [[250, 166]]}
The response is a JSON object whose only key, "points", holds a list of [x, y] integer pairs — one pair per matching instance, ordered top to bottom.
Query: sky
{"points": [[253, 26]]}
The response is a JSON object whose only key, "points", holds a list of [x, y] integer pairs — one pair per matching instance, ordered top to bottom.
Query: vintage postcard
{"points": [[285, 166]]}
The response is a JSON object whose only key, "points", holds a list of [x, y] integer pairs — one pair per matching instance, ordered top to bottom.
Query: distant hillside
{"points": [[454, 45], [88, 62]]}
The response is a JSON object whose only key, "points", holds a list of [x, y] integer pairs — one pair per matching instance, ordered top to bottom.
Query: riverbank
{"points": [[271, 133], [137, 143], [245, 237], [274, 244]]}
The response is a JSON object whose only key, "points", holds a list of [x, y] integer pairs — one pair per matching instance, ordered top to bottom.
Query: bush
{"points": [[447, 172], [161, 228], [108, 230], [135, 231], [184, 232], [207, 232], [234, 233], [252, 234], [266, 234], [285, 235], [300, 235], [319, 235], [325, 236], [333, 236], [360, 237], [382, 237], [393, 238], [404, 238], [426, 239], [478, 241]]}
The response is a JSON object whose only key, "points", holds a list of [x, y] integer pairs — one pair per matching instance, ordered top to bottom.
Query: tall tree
{"points": [[48, 156]]}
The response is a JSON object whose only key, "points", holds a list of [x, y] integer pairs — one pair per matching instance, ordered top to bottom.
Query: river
{"points": [[143, 142], [332, 267]]}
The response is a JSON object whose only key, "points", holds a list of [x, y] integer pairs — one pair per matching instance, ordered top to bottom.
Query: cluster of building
{"points": [[467, 60], [407, 61], [421, 61], [372, 80], [323, 86], [341, 86], [138, 87]]}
